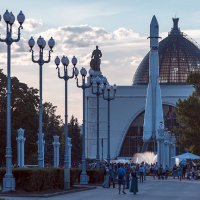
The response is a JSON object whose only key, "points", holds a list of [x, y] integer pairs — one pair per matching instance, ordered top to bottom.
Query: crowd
{"points": [[186, 171], [128, 175]]}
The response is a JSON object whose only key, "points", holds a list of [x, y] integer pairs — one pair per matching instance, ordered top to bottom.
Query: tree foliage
{"points": [[24, 106], [25, 114], [188, 116], [76, 139]]}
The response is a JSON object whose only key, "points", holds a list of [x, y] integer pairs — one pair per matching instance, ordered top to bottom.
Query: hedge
{"points": [[34, 179]]}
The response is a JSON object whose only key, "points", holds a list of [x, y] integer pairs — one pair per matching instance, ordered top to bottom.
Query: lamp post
{"points": [[9, 18], [41, 44], [66, 77], [98, 80], [83, 86], [108, 97]]}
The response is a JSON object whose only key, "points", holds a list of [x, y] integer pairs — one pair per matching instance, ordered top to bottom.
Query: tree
{"points": [[194, 79], [25, 114], [188, 116], [52, 125], [76, 140]]}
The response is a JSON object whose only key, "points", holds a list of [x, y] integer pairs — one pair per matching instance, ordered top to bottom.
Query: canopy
{"points": [[190, 156], [120, 161]]}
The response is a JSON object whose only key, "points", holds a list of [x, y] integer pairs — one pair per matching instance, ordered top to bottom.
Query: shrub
{"points": [[95, 175], [34, 179]]}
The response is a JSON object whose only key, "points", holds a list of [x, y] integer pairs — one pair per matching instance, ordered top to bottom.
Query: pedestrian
{"points": [[155, 170], [128, 171], [174, 171], [112, 172], [141, 172], [160, 172], [166, 172], [180, 172], [121, 178], [106, 182], [134, 182]]}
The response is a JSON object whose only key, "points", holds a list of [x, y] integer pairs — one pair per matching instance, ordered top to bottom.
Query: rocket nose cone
{"points": [[154, 20], [154, 27]]}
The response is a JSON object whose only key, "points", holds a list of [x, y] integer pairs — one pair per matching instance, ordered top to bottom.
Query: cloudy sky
{"points": [[120, 28]]}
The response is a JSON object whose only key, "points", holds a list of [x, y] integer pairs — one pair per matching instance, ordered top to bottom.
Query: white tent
{"points": [[190, 156], [123, 161]]}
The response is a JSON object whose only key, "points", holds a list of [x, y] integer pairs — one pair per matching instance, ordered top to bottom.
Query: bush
{"points": [[95, 175], [75, 176], [34, 179], [37, 179]]}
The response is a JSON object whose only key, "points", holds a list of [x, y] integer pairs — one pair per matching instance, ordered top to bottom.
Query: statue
{"points": [[96, 61]]}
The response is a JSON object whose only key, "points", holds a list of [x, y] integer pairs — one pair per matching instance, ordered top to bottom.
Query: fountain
{"points": [[147, 157]]}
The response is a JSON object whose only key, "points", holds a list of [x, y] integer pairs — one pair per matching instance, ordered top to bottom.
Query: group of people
{"points": [[159, 171], [181, 171], [186, 172], [125, 175], [128, 175]]}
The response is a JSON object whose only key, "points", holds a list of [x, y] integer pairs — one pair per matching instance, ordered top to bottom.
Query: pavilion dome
{"points": [[178, 56]]}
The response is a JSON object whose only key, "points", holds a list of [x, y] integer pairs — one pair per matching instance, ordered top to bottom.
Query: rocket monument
{"points": [[153, 118]]}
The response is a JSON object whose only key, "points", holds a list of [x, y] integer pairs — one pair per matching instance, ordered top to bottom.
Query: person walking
{"points": [[128, 171], [174, 171], [141, 172], [166, 172], [180, 172], [112, 175], [121, 178], [134, 182], [106, 183]]}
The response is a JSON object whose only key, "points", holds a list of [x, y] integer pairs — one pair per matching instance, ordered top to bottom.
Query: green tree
{"points": [[194, 79], [25, 114], [188, 116], [52, 125], [76, 140]]}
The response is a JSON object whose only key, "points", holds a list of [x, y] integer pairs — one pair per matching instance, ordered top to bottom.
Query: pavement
{"points": [[148, 190]]}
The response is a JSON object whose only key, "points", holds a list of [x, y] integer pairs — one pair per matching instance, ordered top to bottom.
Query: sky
{"points": [[119, 27]]}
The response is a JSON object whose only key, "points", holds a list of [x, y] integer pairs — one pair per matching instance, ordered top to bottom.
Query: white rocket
{"points": [[153, 110]]}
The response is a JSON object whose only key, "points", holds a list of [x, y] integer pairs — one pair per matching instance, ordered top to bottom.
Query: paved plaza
{"points": [[149, 190]]}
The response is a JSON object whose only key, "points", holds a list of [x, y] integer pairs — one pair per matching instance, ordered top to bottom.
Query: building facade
{"points": [[178, 56]]}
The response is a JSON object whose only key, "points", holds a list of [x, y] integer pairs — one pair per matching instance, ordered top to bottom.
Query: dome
{"points": [[178, 56]]}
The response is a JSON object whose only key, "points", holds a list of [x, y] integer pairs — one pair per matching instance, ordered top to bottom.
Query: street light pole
{"points": [[9, 18], [41, 44], [66, 77], [83, 86], [98, 92], [109, 98]]}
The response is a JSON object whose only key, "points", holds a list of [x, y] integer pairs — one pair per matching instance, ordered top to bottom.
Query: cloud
{"points": [[32, 25], [124, 34], [122, 49]]}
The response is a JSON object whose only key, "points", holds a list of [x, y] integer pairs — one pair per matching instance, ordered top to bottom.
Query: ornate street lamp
{"points": [[9, 18], [41, 44], [66, 77], [98, 81], [84, 86], [108, 97]]}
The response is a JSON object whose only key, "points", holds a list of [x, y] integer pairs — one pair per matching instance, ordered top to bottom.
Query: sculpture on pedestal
{"points": [[96, 61]]}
